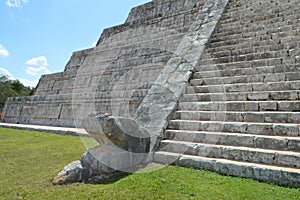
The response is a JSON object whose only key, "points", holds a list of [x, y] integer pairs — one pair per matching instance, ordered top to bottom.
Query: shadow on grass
{"points": [[106, 181]]}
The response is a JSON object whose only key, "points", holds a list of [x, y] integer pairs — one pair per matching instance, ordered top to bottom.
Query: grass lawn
{"points": [[29, 160]]}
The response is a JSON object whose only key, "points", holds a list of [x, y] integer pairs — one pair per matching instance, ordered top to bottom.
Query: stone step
{"points": [[242, 8], [246, 10], [283, 15], [279, 16], [252, 19], [267, 21], [255, 31], [258, 35], [253, 41], [244, 46], [251, 46], [288, 49], [288, 54], [280, 56], [252, 57], [247, 68], [235, 70], [270, 74], [258, 78], [244, 87], [243, 96], [241, 106], [289, 106], [240, 116], [271, 129], [236, 139], [236, 153], [272, 174]]}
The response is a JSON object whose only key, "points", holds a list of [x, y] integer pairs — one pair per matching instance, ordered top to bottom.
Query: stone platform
{"points": [[49, 129]]}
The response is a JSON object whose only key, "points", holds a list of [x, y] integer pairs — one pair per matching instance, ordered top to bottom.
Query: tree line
{"points": [[12, 88]]}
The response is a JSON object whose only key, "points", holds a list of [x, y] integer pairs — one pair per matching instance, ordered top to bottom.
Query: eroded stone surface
{"points": [[123, 132], [90, 169], [70, 174]]}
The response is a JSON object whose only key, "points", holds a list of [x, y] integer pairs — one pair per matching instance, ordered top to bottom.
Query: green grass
{"points": [[30, 160]]}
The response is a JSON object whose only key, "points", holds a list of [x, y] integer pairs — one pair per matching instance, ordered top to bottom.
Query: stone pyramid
{"points": [[233, 67], [115, 75]]}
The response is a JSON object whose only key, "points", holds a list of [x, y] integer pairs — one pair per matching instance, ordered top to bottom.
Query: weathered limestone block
{"points": [[78, 58], [274, 77], [293, 95], [258, 96], [251, 106], [268, 106], [293, 106], [253, 117], [279, 117], [234, 128], [260, 129], [288, 130], [123, 132], [239, 140], [277, 143], [294, 144], [124, 146], [166, 159], [91, 162], [197, 163], [89, 169], [233, 169], [70, 174], [268, 175]]}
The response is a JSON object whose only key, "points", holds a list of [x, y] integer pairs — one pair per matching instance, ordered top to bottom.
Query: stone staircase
{"points": [[240, 115]]}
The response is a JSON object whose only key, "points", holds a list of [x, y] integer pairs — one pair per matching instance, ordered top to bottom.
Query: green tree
{"points": [[17, 86], [12, 88]]}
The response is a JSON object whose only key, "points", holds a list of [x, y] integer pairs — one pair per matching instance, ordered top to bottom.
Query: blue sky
{"points": [[38, 37]]}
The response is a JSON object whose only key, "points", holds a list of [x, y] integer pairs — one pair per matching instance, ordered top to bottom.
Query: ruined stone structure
{"points": [[234, 103]]}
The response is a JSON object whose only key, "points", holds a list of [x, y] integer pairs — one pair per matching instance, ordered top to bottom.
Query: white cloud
{"points": [[15, 3], [94, 44], [3, 51], [38, 61], [37, 66], [5, 72], [37, 72], [26, 82], [29, 83]]}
